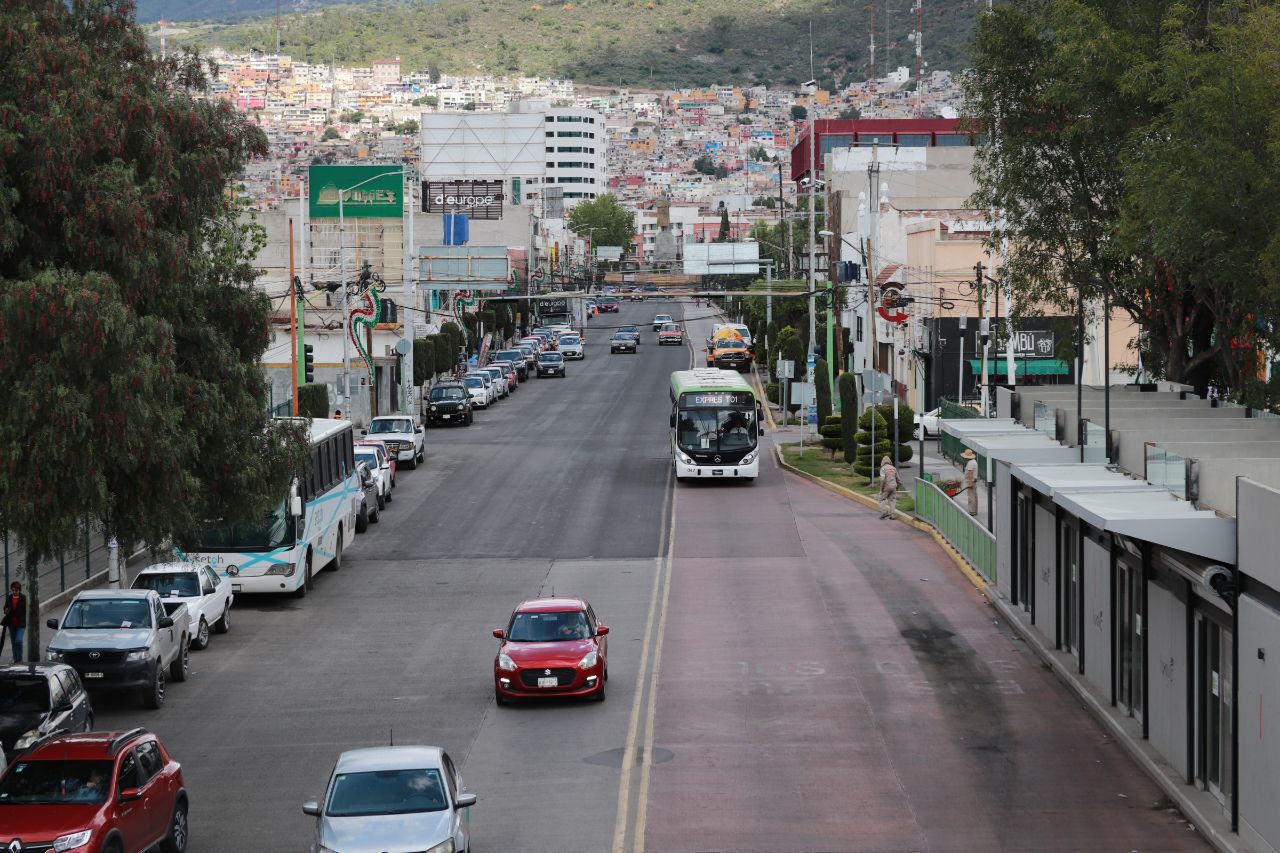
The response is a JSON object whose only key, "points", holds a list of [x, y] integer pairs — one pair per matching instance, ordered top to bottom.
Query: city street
{"points": [[786, 671]]}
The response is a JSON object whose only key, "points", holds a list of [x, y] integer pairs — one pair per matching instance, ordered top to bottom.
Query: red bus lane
{"points": [[830, 682]]}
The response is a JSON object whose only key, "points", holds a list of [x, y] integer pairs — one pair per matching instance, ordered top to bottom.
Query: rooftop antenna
{"points": [[871, 22], [919, 53]]}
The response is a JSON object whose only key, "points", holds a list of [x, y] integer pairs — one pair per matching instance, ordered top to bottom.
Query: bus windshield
{"points": [[716, 429], [276, 528]]}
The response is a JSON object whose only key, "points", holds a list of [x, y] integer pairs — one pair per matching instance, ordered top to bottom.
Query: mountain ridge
{"points": [[653, 43]]}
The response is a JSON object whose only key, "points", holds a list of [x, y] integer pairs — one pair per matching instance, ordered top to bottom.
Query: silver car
{"points": [[393, 798]]}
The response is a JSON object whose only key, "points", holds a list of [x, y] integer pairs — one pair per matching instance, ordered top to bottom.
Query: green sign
{"points": [[367, 192]]}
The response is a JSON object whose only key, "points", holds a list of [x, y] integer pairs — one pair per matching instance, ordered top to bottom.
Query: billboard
{"points": [[369, 192], [477, 199], [721, 258], [464, 268]]}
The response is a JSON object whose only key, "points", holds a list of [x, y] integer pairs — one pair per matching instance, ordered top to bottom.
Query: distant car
{"points": [[609, 305], [660, 320], [634, 331], [670, 333], [622, 342], [571, 347], [530, 352], [516, 359], [550, 364], [510, 374], [499, 379], [490, 386], [478, 388], [448, 403], [928, 422], [401, 437], [385, 454], [379, 463], [368, 512], [206, 593], [551, 647], [37, 699], [95, 791], [393, 798]]}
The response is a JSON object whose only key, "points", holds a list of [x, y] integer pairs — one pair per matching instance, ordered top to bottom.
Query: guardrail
{"points": [[974, 542]]}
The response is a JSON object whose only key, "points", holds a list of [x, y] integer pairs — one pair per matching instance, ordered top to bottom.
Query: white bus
{"points": [[715, 425], [305, 532]]}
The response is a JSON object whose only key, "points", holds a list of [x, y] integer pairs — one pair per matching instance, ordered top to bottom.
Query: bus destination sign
{"points": [[716, 399]]}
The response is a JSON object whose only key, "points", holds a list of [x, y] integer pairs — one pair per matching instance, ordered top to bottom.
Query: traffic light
{"points": [[308, 364]]}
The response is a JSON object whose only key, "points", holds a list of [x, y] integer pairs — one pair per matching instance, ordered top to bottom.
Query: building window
{"points": [[552, 133], [875, 138], [914, 140], [946, 140], [550, 150], [859, 332], [1069, 566], [1129, 618], [1213, 707]]}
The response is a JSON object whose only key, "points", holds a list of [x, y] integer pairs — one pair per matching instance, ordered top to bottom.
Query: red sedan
{"points": [[551, 647]]}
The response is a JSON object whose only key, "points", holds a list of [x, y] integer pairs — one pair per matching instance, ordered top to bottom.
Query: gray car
{"points": [[393, 798]]}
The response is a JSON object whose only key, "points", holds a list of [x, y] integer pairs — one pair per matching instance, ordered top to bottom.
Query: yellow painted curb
{"points": [[768, 411], [956, 557]]}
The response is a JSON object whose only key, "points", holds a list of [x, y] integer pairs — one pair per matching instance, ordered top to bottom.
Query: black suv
{"points": [[516, 359], [447, 403], [39, 698]]}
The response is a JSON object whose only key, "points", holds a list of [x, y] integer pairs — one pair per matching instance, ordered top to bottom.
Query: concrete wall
{"points": [[1218, 486], [1003, 527], [1258, 533], [1044, 572], [1097, 615], [1168, 670], [1259, 681]]}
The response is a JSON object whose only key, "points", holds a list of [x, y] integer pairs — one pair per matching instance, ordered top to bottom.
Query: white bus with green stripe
{"points": [[715, 425], [305, 532]]}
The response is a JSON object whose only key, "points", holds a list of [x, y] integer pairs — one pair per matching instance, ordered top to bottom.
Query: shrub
{"points": [[454, 332], [446, 353], [424, 359], [848, 387], [822, 389], [773, 392], [313, 400], [832, 434], [868, 457]]}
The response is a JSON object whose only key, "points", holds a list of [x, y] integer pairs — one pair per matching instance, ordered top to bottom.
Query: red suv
{"points": [[551, 647], [116, 792]]}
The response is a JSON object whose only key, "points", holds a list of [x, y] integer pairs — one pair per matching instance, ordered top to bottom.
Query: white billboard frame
{"points": [[722, 258]]}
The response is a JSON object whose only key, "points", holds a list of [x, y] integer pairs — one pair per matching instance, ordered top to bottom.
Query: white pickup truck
{"points": [[401, 435], [206, 593], [124, 639]]}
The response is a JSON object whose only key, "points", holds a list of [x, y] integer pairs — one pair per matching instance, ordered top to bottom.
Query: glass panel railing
{"points": [[1044, 419], [1095, 442], [1155, 465], [1167, 470]]}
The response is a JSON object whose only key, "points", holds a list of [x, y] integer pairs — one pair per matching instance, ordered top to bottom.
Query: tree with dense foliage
{"points": [[799, 113], [330, 133], [1133, 158], [604, 222], [726, 229], [131, 333], [848, 388], [822, 390]]}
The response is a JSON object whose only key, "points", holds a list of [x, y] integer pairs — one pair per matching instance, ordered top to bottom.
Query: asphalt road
{"points": [[562, 487], [787, 672]]}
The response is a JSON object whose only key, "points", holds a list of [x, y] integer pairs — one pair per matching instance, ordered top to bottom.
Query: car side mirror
{"points": [[418, 428], [364, 432], [166, 621], [52, 623], [601, 630], [499, 633], [63, 708], [127, 794], [466, 801], [311, 808]]}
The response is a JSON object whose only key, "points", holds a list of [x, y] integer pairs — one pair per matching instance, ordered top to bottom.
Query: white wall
{"points": [[1003, 527], [1044, 573], [1097, 616], [1168, 670], [1259, 682]]}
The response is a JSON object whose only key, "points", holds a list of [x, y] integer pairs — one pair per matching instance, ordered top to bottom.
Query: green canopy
{"points": [[1024, 366]]}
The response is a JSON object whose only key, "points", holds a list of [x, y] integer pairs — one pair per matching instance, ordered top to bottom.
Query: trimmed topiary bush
{"points": [[848, 387], [822, 389], [313, 400], [832, 434]]}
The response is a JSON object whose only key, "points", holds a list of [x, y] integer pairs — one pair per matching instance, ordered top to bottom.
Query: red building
{"points": [[835, 133]]}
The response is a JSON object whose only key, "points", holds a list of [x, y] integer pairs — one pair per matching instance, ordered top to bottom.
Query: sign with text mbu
{"points": [[368, 192]]}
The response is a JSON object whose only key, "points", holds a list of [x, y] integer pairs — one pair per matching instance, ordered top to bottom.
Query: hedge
{"points": [[446, 353], [424, 359], [848, 387], [822, 389], [313, 400], [832, 434]]}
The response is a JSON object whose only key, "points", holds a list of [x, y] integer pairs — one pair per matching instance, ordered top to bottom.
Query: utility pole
{"points": [[873, 176], [784, 226], [813, 237], [296, 285], [410, 299], [293, 331], [984, 336]]}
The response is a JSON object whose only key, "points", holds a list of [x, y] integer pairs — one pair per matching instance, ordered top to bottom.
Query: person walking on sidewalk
{"points": [[970, 481], [888, 488], [14, 622]]}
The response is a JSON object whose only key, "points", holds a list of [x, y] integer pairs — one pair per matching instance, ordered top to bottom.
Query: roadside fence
{"points": [[974, 542]]}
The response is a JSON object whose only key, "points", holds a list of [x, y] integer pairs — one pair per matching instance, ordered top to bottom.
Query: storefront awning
{"points": [[1022, 366], [1158, 517]]}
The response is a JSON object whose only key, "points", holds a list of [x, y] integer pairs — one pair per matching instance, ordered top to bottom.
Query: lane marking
{"points": [[629, 748], [642, 800]]}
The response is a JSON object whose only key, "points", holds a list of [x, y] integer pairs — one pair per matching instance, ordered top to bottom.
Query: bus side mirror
{"points": [[673, 418], [295, 506]]}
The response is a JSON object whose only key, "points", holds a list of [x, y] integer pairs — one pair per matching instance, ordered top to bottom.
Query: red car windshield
{"points": [[548, 627], [55, 782]]}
